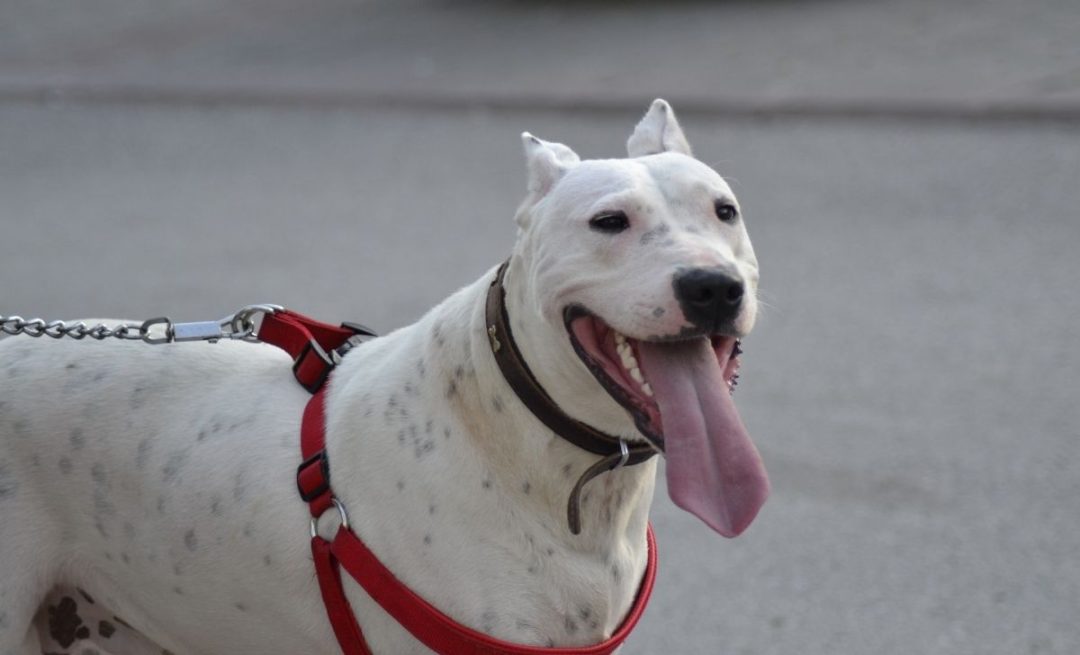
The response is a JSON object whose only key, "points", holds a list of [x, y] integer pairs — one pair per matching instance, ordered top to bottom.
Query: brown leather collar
{"points": [[615, 452]]}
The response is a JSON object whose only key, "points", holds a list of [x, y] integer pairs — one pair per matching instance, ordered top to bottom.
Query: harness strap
{"points": [[301, 336]]}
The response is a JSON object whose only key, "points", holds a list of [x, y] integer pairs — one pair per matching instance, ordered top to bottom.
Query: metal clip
{"points": [[242, 324], [144, 330], [201, 331], [624, 455]]}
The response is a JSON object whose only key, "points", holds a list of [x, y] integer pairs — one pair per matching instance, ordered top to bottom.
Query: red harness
{"points": [[316, 347]]}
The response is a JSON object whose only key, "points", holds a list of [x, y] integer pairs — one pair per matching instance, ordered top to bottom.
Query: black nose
{"points": [[709, 297]]}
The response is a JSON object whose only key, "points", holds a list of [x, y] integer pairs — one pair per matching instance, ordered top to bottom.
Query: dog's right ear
{"points": [[547, 162]]}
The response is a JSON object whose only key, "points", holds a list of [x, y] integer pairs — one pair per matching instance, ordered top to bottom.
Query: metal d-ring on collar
{"points": [[615, 452]]}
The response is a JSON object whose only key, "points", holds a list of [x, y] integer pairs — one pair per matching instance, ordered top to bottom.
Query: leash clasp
{"points": [[239, 326]]}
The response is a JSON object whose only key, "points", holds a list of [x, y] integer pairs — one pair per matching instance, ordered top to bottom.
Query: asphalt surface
{"points": [[909, 173]]}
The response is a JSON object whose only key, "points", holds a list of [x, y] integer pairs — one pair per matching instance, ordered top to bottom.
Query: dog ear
{"points": [[658, 132], [547, 162]]}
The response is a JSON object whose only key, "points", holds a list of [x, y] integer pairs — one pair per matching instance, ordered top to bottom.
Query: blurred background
{"points": [[910, 175]]}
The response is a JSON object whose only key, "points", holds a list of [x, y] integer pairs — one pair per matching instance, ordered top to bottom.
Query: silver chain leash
{"points": [[239, 326]]}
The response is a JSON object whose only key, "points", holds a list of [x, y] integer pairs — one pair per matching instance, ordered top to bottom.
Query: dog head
{"points": [[642, 274]]}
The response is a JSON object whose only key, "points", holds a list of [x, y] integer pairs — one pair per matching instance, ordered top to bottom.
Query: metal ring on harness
{"points": [[340, 507]]}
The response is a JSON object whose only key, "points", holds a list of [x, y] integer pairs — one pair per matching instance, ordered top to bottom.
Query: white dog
{"points": [[147, 493]]}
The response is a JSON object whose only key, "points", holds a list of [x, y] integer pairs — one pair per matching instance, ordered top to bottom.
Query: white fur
{"points": [[160, 480]]}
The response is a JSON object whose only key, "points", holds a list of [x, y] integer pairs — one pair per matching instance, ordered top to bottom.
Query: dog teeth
{"points": [[630, 363]]}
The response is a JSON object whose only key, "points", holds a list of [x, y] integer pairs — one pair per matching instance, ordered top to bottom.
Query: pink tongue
{"points": [[713, 469]]}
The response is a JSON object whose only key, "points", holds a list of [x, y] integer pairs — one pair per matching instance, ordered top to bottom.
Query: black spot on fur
{"points": [[655, 233], [658, 312], [451, 389], [138, 397], [497, 404], [423, 448], [142, 452], [173, 465], [486, 484], [401, 485], [526, 487], [427, 539], [191, 542], [87, 597], [240, 606], [487, 621], [65, 624], [571, 625], [106, 629]]}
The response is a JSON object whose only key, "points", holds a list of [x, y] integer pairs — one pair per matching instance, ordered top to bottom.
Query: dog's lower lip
{"points": [[629, 401]]}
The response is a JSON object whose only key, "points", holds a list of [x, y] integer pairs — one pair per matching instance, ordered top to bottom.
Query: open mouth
{"points": [[616, 361], [678, 391]]}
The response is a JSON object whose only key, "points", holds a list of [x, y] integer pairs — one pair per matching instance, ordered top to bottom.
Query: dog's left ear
{"points": [[658, 132]]}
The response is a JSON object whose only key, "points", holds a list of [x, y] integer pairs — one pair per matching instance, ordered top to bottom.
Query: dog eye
{"points": [[726, 211], [609, 222]]}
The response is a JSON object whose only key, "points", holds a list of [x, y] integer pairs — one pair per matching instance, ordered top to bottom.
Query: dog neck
{"points": [[615, 506]]}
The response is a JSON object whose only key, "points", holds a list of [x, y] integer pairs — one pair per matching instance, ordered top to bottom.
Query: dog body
{"points": [[159, 481]]}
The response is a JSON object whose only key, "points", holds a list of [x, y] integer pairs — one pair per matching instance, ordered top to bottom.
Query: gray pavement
{"points": [[913, 381]]}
